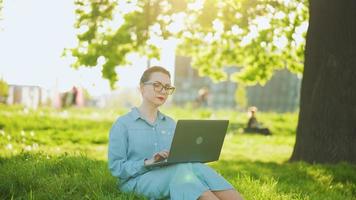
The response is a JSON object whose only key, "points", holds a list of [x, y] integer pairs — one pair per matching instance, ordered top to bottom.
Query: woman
{"points": [[143, 136]]}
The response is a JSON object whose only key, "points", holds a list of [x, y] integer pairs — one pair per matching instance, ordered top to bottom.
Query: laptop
{"points": [[196, 141]]}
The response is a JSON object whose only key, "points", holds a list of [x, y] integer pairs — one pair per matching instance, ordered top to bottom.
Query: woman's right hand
{"points": [[157, 157]]}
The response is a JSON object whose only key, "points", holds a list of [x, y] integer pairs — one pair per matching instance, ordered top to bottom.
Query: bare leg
{"points": [[208, 195], [228, 195]]}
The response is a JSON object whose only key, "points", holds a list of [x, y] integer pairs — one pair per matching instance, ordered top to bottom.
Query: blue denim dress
{"points": [[133, 139]]}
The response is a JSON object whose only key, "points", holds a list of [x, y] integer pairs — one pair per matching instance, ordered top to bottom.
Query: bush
{"points": [[4, 91]]}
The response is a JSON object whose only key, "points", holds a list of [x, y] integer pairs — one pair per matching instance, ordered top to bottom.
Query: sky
{"points": [[33, 35]]}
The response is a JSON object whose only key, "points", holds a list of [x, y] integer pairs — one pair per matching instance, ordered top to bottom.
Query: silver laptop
{"points": [[196, 141]]}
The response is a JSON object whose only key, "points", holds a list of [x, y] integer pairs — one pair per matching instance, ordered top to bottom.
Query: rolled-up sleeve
{"points": [[119, 164]]}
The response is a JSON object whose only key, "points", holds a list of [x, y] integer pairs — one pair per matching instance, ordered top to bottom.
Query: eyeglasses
{"points": [[158, 87]]}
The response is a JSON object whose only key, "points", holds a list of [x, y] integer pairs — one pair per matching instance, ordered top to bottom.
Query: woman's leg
{"points": [[154, 184], [186, 185], [208, 195], [228, 195]]}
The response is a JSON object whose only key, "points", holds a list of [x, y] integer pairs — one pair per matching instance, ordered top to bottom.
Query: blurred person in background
{"points": [[253, 126]]}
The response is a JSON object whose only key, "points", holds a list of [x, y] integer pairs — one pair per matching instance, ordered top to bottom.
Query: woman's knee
{"points": [[208, 195], [228, 195]]}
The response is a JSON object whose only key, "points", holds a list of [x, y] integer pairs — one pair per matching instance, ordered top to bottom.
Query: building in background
{"points": [[188, 83], [280, 94], [28, 95], [34, 96]]}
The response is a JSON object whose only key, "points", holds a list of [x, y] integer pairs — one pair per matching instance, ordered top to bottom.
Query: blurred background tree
{"points": [[4, 90], [86, 94], [241, 97]]}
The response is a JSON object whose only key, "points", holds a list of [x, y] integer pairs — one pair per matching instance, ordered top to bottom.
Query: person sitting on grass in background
{"points": [[253, 126], [143, 136]]}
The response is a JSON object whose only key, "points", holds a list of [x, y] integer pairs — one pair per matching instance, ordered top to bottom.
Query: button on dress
{"points": [[133, 139]]}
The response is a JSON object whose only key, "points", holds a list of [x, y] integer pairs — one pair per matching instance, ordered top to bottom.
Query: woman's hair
{"points": [[147, 73]]}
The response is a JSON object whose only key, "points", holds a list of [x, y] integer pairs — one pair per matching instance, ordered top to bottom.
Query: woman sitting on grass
{"points": [[143, 136]]}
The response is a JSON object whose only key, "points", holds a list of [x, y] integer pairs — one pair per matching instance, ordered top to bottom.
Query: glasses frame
{"points": [[168, 89]]}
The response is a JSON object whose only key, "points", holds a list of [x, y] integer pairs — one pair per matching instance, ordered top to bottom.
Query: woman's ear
{"points": [[140, 88]]}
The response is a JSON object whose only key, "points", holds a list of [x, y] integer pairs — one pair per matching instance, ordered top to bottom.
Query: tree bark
{"points": [[326, 131]]}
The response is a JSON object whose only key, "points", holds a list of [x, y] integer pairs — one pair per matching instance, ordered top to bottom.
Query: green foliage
{"points": [[260, 36], [102, 44], [4, 88], [86, 94], [241, 96], [69, 160]]}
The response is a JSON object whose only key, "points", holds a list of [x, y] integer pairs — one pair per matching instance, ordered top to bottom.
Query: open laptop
{"points": [[196, 141]]}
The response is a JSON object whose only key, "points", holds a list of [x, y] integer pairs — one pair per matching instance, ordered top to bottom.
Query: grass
{"points": [[51, 154]]}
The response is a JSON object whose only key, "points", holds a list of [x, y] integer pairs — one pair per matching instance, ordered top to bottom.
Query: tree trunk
{"points": [[326, 131]]}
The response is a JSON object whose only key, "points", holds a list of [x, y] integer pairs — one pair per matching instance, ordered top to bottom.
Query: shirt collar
{"points": [[135, 113]]}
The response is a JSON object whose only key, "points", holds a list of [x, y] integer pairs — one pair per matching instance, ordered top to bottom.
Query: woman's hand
{"points": [[157, 157]]}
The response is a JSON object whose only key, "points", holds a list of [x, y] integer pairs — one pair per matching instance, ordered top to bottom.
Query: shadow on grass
{"points": [[38, 176], [310, 181]]}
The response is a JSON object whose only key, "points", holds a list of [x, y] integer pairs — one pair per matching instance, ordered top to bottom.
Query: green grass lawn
{"points": [[49, 154]]}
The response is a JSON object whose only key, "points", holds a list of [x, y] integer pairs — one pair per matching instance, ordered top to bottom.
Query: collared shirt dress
{"points": [[133, 139]]}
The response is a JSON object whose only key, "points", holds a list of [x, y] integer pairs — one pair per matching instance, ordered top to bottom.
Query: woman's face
{"points": [[149, 89]]}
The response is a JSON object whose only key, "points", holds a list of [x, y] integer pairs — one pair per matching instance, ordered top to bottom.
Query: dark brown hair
{"points": [[147, 73]]}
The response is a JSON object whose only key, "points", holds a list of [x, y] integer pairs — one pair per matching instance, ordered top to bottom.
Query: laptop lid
{"points": [[197, 140]]}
